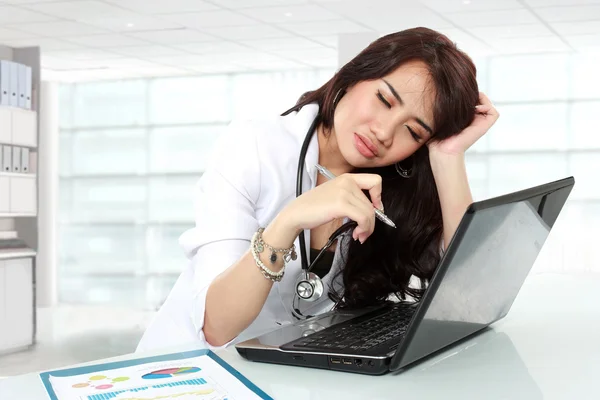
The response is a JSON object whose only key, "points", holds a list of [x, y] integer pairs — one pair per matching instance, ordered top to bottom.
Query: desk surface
{"points": [[546, 348]]}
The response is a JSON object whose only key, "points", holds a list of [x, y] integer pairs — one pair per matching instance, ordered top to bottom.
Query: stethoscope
{"points": [[309, 286]]}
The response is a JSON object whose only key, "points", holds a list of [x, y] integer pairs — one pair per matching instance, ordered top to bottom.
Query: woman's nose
{"points": [[384, 131]]}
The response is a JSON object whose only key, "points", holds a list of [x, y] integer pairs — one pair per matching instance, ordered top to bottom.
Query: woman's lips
{"points": [[365, 146]]}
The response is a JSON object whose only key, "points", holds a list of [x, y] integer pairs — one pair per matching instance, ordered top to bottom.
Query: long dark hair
{"points": [[384, 264]]}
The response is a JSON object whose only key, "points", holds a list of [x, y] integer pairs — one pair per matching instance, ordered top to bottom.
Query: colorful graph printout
{"points": [[198, 375]]}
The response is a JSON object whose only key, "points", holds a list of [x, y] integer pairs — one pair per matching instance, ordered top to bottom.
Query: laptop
{"points": [[475, 284]]}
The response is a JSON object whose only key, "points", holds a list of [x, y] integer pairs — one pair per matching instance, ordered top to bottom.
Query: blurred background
{"points": [[141, 89]]}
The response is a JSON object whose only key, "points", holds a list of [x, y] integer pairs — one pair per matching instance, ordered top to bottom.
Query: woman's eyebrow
{"points": [[397, 96]]}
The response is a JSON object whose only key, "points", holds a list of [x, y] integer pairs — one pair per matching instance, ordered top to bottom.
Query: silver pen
{"points": [[378, 213]]}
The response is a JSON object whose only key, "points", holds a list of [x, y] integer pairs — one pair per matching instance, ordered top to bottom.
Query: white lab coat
{"points": [[251, 177]]}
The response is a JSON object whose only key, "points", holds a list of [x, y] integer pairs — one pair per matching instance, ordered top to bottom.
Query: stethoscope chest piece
{"points": [[309, 287]]}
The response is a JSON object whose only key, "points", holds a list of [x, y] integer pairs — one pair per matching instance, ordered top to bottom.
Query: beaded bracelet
{"points": [[257, 246], [288, 254]]}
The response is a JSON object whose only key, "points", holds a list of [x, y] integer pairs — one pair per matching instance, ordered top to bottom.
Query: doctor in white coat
{"points": [[393, 125]]}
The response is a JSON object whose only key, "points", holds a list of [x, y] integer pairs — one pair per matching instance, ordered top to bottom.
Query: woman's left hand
{"points": [[485, 116]]}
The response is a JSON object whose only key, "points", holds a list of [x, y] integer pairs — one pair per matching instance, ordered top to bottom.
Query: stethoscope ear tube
{"points": [[299, 176], [332, 238], [309, 286]]}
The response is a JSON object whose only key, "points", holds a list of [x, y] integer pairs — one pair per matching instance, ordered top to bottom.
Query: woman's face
{"points": [[378, 123]]}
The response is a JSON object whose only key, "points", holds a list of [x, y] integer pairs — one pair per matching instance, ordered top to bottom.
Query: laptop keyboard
{"points": [[361, 335]]}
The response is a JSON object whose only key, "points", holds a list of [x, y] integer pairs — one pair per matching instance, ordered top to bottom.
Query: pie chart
{"points": [[170, 372]]}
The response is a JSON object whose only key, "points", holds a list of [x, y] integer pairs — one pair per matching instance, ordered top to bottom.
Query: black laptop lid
{"points": [[491, 254]]}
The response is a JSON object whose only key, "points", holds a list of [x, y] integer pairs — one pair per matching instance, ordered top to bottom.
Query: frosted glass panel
{"points": [[482, 65], [322, 77], [527, 78], [586, 79], [269, 93], [189, 100], [118, 103], [65, 106], [585, 125], [525, 127], [483, 144], [182, 149], [104, 152], [65, 161], [477, 166], [585, 168], [478, 172], [513, 172], [172, 199], [65, 200], [101, 200], [572, 245], [102, 250], [165, 254], [147, 292]]}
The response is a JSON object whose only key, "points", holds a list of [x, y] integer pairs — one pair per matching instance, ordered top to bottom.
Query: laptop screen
{"points": [[490, 257]]}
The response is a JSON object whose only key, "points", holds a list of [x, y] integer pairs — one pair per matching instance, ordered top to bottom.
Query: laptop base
{"points": [[359, 365]]}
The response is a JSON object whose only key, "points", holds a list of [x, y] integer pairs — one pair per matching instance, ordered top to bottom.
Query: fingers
{"points": [[484, 100], [485, 106], [483, 109], [370, 182], [355, 204], [365, 216]]}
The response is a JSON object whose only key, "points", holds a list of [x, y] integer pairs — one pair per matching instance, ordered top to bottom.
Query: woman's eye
{"points": [[383, 100], [413, 134]]}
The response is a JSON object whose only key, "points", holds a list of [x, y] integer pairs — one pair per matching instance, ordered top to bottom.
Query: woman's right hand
{"points": [[338, 198]]}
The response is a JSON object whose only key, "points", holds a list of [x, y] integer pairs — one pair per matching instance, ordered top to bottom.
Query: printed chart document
{"points": [[198, 375]]}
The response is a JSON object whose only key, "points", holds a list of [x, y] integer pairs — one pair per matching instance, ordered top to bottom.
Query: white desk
{"points": [[547, 347]]}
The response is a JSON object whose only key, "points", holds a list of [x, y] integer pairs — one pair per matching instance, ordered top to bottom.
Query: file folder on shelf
{"points": [[21, 72], [4, 83], [13, 85], [28, 87], [6, 158], [16, 159], [25, 160]]}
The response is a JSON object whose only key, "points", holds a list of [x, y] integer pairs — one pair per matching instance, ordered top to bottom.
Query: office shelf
{"points": [[16, 109], [19, 127], [17, 175], [130, 175], [17, 215], [122, 223], [6, 254]]}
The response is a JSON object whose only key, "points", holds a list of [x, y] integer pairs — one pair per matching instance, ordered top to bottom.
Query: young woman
{"points": [[393, 125]]}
